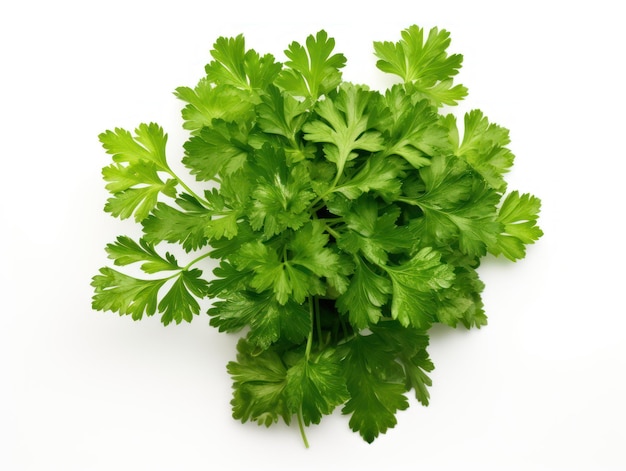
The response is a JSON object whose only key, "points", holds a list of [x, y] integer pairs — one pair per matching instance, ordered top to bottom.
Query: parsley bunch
{"points": [[346, 223]]}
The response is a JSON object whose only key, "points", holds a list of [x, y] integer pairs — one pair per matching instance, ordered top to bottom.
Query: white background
{"points": [[542, 387]]}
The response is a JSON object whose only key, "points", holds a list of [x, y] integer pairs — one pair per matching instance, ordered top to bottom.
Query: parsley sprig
{"points": [[346, 222]]}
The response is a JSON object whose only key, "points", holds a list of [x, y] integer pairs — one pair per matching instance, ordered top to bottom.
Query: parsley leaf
{"points": [[423, 62], [233, 65], [312, 70], [206, 102], [343, 126], [414, 132], [483, 147], [220, 148], [379, 173], [136, 186], [282, 195], [458, 207], [518, 215], [186, 227], [373, 235], [125, 251], [413, 284], [117, 292], [127, 295], [365, 296], [268, 319], [259, 381], [315, 386], [376, 387]]}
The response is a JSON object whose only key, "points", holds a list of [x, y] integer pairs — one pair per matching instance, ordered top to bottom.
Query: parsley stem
{"points": [[200, 200], [410, 201], [332, 232], [196, 260], [309, 341], [307, 353], [301, 425]]}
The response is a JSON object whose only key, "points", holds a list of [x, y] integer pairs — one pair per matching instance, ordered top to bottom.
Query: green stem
{"points": [[200, 200], [408, 201], [332, 232], [196, 260], [309, 342], [307, 354], [301, 425]]}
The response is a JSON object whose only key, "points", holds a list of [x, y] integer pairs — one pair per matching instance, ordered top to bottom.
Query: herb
{"points": [[346, 223]]}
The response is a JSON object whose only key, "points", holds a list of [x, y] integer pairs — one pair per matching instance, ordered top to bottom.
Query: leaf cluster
{"points": [[345, 222]]}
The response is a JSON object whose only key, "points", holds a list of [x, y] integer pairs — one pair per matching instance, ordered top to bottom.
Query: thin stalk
{"points": [[201, 200], [410, 201], [332, 232], [196, 260], [309, 342], [307, 353], [301, 425]]}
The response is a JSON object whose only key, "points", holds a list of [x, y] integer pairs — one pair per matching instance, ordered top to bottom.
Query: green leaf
{"points": [[424, 63], [233, 65], [312, 70], [206, 103], [281, 114], [344, 125], [414, 132], [147, 145], [223, 147], [483, 147], [380, 174], [122, 177], [136, 186], [282, 196], [138, 201], [229, 205], [458, 207], [518, 215], [186, 227], [373, 235], [223, 248], [308, 248], [125, 251], [269, 271], [295, 275], [228, 280], [413, 286], [117, 292], [365, 295], [462, 302], [179, 303], [268, 320], [409, 346], [417, 367], [259, 381], [375, 381], [315, 386]]}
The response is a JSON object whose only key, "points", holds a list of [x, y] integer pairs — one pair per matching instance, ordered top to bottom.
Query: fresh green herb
{"points": [[346, 222]]}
